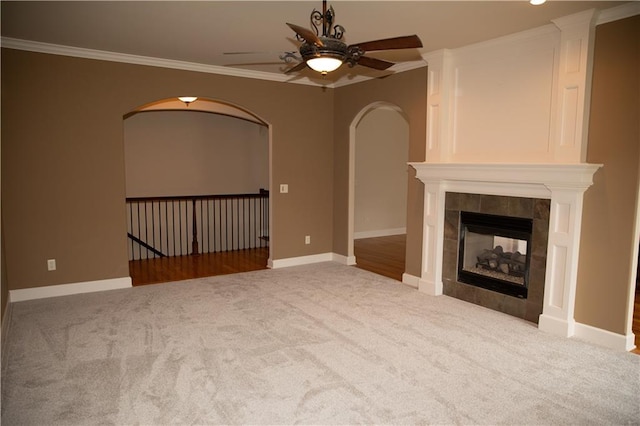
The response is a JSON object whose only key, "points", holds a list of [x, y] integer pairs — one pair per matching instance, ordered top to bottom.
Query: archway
{"points": [[378, 155], [197, 183]]}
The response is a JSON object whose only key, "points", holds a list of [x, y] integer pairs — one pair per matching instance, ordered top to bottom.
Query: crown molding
{"points": [[620, 12], [102, 55]]}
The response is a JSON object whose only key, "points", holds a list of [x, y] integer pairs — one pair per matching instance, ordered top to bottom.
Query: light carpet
{"points": [[315, 344]]}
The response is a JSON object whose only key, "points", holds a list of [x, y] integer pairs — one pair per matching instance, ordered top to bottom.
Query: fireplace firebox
{"points": [[495, 252]]}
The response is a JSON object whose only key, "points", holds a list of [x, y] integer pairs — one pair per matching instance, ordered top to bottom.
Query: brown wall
{"points": [[408, 91], [63, 180], [606, 263]]}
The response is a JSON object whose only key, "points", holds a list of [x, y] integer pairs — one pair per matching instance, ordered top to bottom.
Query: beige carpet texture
{"points": [[316, 344]]}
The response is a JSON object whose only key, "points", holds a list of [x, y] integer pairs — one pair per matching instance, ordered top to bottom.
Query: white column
{"points": [[573, 89], [438, 105], [432, 238], [562, 261]]}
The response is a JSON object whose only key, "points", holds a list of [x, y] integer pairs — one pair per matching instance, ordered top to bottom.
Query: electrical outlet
{"points": [[307, 239], [51, 265]]}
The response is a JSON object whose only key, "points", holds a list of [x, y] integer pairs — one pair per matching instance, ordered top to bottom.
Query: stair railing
{"points": [[170, 226]]}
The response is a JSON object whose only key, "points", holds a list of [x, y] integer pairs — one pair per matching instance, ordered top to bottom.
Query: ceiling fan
{"points": [[325, 51]]}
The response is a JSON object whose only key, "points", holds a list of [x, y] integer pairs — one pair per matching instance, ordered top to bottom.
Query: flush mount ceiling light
{"points": [[537, 2], [325, 51], [187, 99]]}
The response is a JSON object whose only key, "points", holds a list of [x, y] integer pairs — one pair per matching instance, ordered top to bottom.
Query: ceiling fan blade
{"points": [[308, 35], [404, 42], [244, 53], [374, 63], [298, 67]]}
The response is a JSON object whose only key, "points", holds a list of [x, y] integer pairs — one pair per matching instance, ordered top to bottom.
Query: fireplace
{"points": [[550, 194], [478, 222], [494, 252]]}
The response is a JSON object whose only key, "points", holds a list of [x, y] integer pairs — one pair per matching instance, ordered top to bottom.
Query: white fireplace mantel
{"points": [[548, 175], [563, 184]]}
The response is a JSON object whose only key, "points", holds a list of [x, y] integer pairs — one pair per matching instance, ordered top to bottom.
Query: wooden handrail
{"points": [[198, 197]]}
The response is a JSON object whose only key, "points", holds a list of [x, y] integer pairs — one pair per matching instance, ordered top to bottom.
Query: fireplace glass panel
{"points": [[494, 252], [495, 256]]}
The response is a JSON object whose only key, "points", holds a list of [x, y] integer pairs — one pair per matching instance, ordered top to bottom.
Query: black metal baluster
{"points": [[236, 216], [166, 221], [244, 222], [220, 223], [160, 224], [180, 224], [226, 224], [131, 227], [153, 227], [194, 227], [201, 228], [208, 229], [139, 232], [256, 236]]}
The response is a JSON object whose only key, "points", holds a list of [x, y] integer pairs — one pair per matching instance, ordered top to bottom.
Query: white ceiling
{"points": [[201, 32]]}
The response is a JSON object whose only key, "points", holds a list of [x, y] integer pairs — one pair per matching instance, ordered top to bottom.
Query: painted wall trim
{"points": [[616, 13], [101, 55], [379, 233], [314, 258], [301, 260], [344, 260], [411, 280], [23, 294], [5, 332], [604, 338]]}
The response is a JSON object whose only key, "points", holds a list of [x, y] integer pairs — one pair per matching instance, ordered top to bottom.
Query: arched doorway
{"points": [[379, 144], [197, 187]]}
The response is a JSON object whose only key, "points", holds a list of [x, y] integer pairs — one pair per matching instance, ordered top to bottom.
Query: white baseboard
{"points": [[379, 233], [301, 260], [345, 260], [411, 280], [430, 288], [68, 289], [557, 326], [5, 330], [588, 333], [605, 338]]}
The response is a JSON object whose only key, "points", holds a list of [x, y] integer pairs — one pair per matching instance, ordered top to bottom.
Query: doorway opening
{"points": [[379, 148], [197, 187]]}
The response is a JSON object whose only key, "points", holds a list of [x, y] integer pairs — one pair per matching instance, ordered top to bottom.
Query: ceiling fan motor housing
{"points": [[331, 47]]}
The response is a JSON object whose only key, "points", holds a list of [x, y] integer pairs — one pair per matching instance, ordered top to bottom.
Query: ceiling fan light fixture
{"points": [[324, 51], [324, 64], [187, 99]]}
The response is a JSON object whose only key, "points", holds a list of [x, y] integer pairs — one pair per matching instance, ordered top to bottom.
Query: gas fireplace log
{"points": [[487, 255]]}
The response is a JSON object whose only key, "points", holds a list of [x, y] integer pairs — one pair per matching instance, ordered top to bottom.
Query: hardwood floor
{"points": [[382, 255], [177, 268]]}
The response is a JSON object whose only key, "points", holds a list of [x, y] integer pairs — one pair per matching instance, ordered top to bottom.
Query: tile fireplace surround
{"points": [[562, 184], [535, 209]]}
